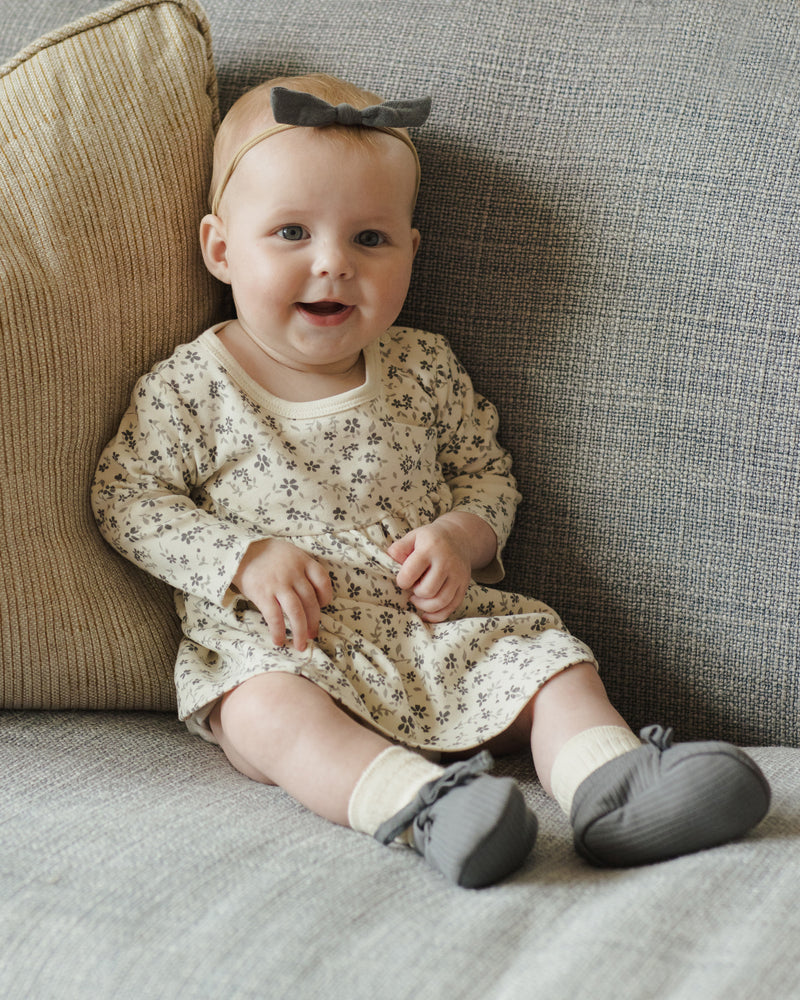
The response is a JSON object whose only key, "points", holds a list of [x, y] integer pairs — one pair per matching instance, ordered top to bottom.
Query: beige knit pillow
{"points": [[106, 130]]}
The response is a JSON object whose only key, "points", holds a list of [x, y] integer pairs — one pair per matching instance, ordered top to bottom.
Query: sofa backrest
{"points": [[609, 211], [611, 238]]}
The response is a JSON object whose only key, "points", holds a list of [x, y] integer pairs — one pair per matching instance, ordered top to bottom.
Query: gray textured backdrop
{"points": [[609, 211], [610, 240]]}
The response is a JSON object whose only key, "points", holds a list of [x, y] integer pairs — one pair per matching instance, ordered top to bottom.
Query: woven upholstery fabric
{"points": [[106, 130], [609, 211], [138, 866]]}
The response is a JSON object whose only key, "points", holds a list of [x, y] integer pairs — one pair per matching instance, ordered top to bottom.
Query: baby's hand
{"points": [[436, 566], [285, 584]]}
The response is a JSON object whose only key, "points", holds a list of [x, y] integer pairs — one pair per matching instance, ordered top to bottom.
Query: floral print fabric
{"points": [[206, 461]]}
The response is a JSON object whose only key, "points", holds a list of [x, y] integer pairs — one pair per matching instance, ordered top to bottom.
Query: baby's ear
{"points": [[415, 238], [214, 245]]}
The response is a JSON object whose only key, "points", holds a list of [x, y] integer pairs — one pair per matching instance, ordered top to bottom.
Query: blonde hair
{"points": [[250, 120]]}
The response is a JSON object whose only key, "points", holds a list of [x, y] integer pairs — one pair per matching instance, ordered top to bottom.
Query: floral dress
{"points": [[206, 461]]}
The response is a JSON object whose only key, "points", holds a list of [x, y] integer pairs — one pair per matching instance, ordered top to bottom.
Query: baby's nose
{"points": [[334, 260]]}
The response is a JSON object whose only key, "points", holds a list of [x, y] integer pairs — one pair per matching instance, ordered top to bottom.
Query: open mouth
{"points": [[323, 308], [325, 312]]}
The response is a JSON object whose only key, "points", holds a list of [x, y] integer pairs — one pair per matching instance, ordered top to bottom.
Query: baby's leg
{"points": [[572, 702], [281, 729], [632, 803]]}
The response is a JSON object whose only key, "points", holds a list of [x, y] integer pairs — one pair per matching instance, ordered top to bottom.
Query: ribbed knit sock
{"points": [[583, 754], [388, 784]]}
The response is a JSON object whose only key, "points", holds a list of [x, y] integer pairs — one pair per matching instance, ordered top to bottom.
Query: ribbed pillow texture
{"points": [[106, 133]]}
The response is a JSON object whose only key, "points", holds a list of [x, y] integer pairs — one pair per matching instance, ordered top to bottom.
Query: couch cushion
{"points": [[106, 128], [120, 881]]}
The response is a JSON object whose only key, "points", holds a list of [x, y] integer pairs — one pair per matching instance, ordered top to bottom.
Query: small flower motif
{"points": [[406, 725]]}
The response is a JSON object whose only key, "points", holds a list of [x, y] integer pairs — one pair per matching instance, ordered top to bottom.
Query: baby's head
{"points": [[251, 120], [311, 216]]}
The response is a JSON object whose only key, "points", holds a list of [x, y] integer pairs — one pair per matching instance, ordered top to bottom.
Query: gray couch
{"points": [[609, 212]]}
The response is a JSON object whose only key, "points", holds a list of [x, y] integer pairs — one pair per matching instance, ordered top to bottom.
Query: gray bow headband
{"points": [[295, 107]]}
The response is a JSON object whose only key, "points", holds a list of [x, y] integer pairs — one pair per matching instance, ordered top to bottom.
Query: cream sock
{"points": [[584, 753], [390, 782]]}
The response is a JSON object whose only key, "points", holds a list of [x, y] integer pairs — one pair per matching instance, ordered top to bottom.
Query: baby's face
{"points": [[319, 244]]}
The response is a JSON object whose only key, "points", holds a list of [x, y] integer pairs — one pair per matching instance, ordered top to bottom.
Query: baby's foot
{"points": [[659, 801], [473, 828]]}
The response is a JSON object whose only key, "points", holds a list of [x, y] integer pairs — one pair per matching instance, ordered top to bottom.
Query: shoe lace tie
{"points": [[660, 737], [419, 808]]}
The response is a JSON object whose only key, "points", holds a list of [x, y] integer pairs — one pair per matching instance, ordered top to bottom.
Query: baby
{"points": [[327, 495]]}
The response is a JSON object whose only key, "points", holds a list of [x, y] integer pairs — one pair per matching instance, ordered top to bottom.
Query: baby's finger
{"points": [[401, 549], [413, 570], [321, 582], [431, 585], [310, 605], [440, 605], [443, 612], [294, 613], [272, 614]]}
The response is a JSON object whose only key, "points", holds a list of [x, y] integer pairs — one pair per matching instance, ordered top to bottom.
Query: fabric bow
{"points": [[294, 107], [418, 809]]}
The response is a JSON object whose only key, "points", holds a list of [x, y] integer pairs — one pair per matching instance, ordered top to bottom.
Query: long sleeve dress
{"points": [[206, 461]]}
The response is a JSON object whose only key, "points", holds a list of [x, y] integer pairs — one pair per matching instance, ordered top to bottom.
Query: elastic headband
{"points": [[297, 109]]}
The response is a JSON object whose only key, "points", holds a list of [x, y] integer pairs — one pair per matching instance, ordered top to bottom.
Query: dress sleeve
{"points": [[476, 468], [147, 491]]}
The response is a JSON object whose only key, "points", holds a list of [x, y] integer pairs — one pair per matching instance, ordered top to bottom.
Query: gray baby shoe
{"points": [[659, 801], [473, 828]]}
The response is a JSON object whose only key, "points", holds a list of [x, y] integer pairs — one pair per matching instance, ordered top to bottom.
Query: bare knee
{"points": [[569, 689], [253, 722]]}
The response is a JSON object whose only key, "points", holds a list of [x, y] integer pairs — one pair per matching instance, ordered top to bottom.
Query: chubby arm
{"points": [[475, 466], [143, 500], [439, 560]]}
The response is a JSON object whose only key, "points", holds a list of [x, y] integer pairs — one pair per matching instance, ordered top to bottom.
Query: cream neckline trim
{"points": [[369, 389]]}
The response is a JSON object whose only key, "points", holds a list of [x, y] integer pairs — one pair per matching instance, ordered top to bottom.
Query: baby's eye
{"points": [[292, 233], [370, 238]]}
